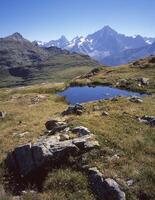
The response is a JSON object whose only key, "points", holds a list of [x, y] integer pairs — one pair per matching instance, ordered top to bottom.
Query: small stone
{"points": [[144, 81], [135, 99], [105, 113], [2, 114], [55, 126], [81, 130], [130, 182]]}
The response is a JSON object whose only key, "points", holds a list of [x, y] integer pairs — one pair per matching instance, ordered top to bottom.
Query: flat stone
{"points": [[135, 99]]}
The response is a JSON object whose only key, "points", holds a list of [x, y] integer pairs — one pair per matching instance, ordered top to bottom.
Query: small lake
{"points": [[83, 94]]}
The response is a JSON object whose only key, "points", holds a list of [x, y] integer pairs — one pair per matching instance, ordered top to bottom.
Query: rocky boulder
{"points": [[77, 109], [147, 120], [29, 157], [104, 189]]}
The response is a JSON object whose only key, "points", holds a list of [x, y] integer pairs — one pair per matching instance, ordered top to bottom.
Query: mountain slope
{"points": [[17, 51], [130, 55], [23, 62]]}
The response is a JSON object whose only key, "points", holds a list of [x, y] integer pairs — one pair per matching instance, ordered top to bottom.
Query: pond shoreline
{"points": [[84, 94]]}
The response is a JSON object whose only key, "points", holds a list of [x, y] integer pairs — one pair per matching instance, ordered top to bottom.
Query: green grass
{"points": [[59, 68], [130, 72], [118, 133]]}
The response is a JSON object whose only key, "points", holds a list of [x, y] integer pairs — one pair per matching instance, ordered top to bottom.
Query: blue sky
{"points": [[49, 19]]}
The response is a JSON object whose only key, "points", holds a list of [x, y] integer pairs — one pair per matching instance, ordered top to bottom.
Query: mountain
{"points": [[149, 40], [62, 42], [103, 45], [17, 51], [130, 55], [24, 62]]}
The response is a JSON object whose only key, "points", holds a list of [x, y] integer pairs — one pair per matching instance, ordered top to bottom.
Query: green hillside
{"points": [[24, 63]]}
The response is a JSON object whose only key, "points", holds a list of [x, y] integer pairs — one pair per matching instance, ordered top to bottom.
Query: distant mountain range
{"points": [[107, 46], [24, 62]]}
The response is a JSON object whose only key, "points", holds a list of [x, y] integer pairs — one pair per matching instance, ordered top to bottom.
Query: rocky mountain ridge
{"points": [[104, 45]]}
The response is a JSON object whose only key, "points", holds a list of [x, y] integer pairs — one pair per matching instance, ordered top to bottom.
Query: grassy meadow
{"points": [[126, 146]]}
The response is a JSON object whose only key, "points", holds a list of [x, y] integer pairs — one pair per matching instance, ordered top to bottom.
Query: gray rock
{"points": [[144, 81], [135, 99], [77, 109], [105, 113], [2, 114], [147, 120], [55, 126], [81, 130], [23, 157], [29, 157], [130, 182], [104, 189]]}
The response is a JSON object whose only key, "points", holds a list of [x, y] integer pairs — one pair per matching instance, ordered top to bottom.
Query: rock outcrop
{"points": [[77, 109], [147, 120], [29, 157], [104, 189]]}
